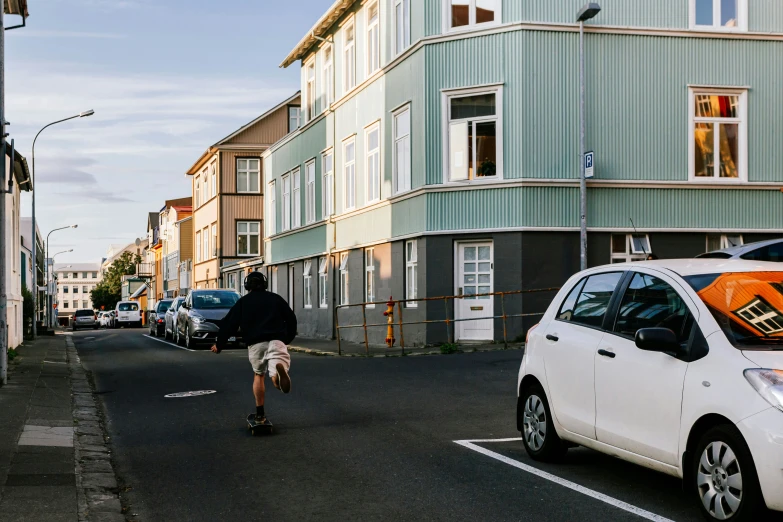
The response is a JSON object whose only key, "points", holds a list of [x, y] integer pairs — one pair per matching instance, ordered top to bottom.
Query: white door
{"points": [[475, 275], [291, 286], [638, 394]]}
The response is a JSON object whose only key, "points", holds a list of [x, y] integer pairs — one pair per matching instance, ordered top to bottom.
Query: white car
{"points": [[127, 313], [103, 319], [673, 365]]}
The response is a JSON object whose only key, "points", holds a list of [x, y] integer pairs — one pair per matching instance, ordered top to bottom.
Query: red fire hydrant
{"points": [[389, 313]]}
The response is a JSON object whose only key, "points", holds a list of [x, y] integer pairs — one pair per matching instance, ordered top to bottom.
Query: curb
{"points": [[322, 353], [96, 484]]}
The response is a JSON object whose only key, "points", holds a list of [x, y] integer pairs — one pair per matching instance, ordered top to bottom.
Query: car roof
{"points": [[749, 247], [688, 267]]}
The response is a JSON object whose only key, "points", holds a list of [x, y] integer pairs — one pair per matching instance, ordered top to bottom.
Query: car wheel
{"points": [[538, 430], [724, 477]]}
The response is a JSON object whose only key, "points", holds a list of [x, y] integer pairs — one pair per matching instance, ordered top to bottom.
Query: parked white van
{"points": [[127, 313]]}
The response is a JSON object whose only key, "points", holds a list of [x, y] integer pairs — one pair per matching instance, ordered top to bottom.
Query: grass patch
{"points": [[448, 348], [12, 354]]}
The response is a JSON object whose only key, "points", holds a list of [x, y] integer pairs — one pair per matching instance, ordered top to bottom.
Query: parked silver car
{"points": [[771, 250], [199, 317], [171, 318], [85, 319]]}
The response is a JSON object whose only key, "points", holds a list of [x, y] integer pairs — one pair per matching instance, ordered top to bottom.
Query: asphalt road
{"points": [[357, 439]]}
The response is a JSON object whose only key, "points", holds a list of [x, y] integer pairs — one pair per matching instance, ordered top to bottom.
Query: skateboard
{"points": [[258, 429]]}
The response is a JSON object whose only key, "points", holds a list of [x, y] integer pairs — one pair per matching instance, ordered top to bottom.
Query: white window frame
{"points": [[405, 6], [742, 17], [472, 25], [373, 43], [349, 56], [327, 76], [309, 89], [448, 95], [294, 117], [404, 140], [742, 147], [349, 166], [247, 171], [213, 178], [327, 185], [372, 186], [205, 188], [197, 192], [310, 192], [296, 198], [286, 202], [271, 218], [248, 234], [214, 240], [723, 241], [205, 244], [198, 246], [632, 253], [411, 272], [369, 277], [273, 279], [344, 281], [307, 283], [323, 289], [769, 323]]}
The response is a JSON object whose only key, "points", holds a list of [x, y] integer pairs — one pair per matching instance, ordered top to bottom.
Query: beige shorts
{"points": [[264, 357]]}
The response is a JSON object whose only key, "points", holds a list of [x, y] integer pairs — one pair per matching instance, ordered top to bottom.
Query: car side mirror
{"points": [[657, 340]]}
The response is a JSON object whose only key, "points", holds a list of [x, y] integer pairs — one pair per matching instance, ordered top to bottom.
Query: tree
{"points": [[109, 291]]}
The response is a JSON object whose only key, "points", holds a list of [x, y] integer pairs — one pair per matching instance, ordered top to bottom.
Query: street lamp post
{"points": [[589, 11], [80, 115], [46, 276], [51, 325]]}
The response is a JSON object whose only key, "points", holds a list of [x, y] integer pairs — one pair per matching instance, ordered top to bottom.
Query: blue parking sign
{"points": [[589, 165]]}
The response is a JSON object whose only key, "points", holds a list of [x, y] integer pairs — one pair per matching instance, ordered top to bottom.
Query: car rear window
{"points": [[772, 253], [163, 306], [128, 307], [84, 313]]}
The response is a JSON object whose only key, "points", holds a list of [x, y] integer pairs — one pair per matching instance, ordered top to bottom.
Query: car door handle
{"points": [[552, 338], [607, 353]]}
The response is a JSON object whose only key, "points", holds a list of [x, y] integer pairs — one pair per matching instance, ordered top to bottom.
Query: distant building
{"points": [[74, 282]]}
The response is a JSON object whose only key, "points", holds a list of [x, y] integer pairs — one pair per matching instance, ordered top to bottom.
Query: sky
{"points": [[166, 78]]}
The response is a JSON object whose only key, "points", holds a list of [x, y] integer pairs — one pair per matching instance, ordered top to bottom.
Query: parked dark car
{"points": [[771, 250], [157, 317], [199, 317], [170, 319]]}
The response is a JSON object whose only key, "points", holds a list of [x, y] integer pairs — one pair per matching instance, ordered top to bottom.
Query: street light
{"points": [[589, 11], [83, 114], [46, 256], [48, 316]]}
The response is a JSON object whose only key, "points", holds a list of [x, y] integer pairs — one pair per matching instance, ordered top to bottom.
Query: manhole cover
{"points": [[190, 394]]}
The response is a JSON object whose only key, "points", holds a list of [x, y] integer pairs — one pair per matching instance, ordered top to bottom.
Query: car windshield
{"points": [[211, 300], [176, 304], [163, 306], [747, 306], [128, 307], [84, 313]]}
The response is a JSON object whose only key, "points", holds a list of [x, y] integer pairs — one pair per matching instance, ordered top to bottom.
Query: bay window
{"points": [[718, 135], [475, 145]]}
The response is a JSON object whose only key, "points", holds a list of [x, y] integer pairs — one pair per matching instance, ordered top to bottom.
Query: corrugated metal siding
{"points": [[636, 13], [765, 16], [432, 17], [267, 131], [238, 208], [409, 216], [186, 240], [312, 241]]}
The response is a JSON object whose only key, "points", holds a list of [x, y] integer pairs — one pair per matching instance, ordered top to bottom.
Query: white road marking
{"points": [[170, 344], [55, 362], [179, 395], [557, 480]]}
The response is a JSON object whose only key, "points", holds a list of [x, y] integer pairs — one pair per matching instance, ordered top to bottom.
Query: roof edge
{"points": [[323, 24]]}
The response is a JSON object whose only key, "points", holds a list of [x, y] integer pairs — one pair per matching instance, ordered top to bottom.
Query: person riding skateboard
{"points": [[268, 325]]}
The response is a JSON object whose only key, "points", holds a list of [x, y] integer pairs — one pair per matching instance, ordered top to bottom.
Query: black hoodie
{"points": [[262, 316]]}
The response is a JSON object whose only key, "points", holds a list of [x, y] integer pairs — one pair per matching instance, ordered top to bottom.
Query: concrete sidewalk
{"points": [[328, 347], [43, 421]]}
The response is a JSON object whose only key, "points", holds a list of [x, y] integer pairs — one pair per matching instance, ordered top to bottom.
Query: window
{"points": [[468, 13], [727, 15], [402, 25], [373, 39], [349, 57], [328, 76], [310, 90], [293, 118], [718, 135], [474, 140], [402, 150], [349, 156], [327, 166], [373, 167], [248, 175], [213, 177], [205, 188], [197, 192], [310, 192], [286, 202], [296, 207], [271, 218], [248, 238], [214, 240], [721, 241], [205, 243], [630, 247], [323, 266], [411, 272], [75, 275], [84, 275], [95, 275], [369, 276], [307, 279], [344, 279], [273, 280], [231, 281], [65, 289], [75, 289], [84, 290], [587, 303], [651, 303], [66, 304], [85, 305], [762, 316]]}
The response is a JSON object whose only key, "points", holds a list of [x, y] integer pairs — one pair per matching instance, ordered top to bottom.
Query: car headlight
{"points": [[196, 319], [769, 384]]}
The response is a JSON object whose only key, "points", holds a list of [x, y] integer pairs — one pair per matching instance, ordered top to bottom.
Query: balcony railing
{"points": [[145, 269]]}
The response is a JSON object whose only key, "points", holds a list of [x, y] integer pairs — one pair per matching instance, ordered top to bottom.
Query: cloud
{"points": [[43, 33], [66, 177]]}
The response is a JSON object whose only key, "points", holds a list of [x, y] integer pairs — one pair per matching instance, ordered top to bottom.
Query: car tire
{"points": [[538, 431], [723, 477]]}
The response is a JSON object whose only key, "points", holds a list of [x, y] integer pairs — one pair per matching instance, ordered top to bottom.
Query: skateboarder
{"points": [[267, 325]]}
